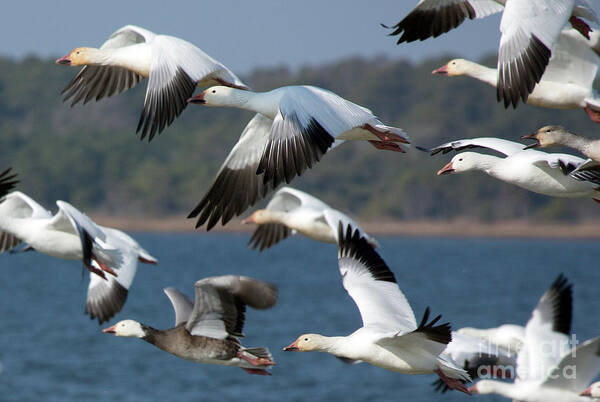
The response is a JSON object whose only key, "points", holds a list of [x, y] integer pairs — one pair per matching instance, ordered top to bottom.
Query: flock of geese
{"points": [[548, 56]]}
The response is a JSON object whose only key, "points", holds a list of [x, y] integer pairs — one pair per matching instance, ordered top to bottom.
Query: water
{"points": [[49, 350]]}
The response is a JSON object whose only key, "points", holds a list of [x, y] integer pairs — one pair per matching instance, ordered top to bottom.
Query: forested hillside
{"points": [[91, 156]]}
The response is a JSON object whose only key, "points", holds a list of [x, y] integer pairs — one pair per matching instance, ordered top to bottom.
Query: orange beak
{"points": [[442, 70], [198, 99], [446, 169], [248, 220], [110, 330], [292, 348]]}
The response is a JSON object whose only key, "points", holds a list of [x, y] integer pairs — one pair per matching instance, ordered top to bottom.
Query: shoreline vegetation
{"points": [[456, 228]]}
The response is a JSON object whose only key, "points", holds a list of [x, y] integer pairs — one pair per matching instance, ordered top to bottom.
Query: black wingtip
{"points": [[7, 181], [354, 246], [561, 296], [441, 333]]}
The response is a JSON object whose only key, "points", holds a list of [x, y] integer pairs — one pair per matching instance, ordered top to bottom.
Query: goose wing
{"points": [[431, 18], [529, 30], [504, 147], [236, 186], [21, 206], [182, 305], [220, 305], [577, 368]]}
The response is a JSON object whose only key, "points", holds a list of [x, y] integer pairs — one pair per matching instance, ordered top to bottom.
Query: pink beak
{"points": [[64, 60], [442, 70], [198, 99], [446, 169], [248, 220], [110, 330], [292, 348], [473, 389]]}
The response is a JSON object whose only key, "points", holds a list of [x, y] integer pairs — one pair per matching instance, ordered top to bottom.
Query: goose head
{"points": [[79, 56], [453, 68], [220, 96], [545, 136], [462, 162], [259, 217], [127, 328], [306, 343], [592, 391]]}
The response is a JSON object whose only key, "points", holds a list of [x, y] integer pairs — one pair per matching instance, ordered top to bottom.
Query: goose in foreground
{"points": [[529, 30], [173, 66], [567, 82], [294, 126], [540, 172], [291, 211], [71, 235], [207, 330], [390, 337], [548, 369], [592, 391]]}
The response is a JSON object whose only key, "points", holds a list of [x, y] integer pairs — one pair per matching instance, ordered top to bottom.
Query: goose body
{"points": [[529, 30], [173, 66], [567, 82], [293, 128], [532, 170], [294, 210], [110, 255], [207, 330], [390, 337]]}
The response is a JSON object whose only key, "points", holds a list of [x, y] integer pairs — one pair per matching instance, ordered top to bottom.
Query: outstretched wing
{"points": [[431, 18], [495, 144], [236, 186], [181, 304], [220, 305]]}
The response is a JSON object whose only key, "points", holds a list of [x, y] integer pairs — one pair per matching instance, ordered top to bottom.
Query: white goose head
{"points": [[221, 96], [463, 162], [128, 328], [307, 343]]}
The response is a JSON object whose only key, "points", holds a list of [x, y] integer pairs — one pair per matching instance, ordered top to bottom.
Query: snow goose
{"points": [[529, 29], [173, 66], [567, 82], [294, 126], [532, 170], [291, 211], [71, 235], [207, 330], [390, 337], [479, 357], [548, 369], [592, 391]]}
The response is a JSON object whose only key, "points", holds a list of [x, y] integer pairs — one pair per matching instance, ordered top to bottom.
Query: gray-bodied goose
{"points": [[207, 331]]}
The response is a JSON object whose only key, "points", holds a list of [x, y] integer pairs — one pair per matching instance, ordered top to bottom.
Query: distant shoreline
{"points": [[458, 228]]}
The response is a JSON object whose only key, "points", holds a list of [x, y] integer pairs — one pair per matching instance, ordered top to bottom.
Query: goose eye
{"points": [[214, 92], [460, 159]]}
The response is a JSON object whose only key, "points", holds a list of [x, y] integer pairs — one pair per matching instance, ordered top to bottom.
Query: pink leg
{"points": [[581, 26], [594, 114], [386, 136], [387, 146], [145, 261], [104, 267], [96, 271], [258, 361], [256, 371], [452, 383]]}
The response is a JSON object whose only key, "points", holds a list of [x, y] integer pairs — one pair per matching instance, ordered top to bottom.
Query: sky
{"points": [[243, 34]]}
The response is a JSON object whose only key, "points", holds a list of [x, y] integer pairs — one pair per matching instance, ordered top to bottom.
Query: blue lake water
{"points": [[49, 350]]}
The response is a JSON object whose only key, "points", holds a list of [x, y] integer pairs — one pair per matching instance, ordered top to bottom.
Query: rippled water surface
{"points": [[49, 350]]}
